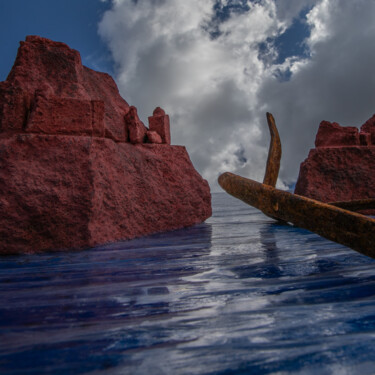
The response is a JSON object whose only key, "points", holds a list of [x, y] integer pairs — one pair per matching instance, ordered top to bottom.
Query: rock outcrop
{"points": [[342, 165], [78, 167]]}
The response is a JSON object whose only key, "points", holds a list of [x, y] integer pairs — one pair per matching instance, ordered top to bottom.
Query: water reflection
{"points": [[239, 294], [51, 299]]}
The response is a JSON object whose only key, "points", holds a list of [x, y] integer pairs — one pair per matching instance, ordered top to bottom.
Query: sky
{"points": [[217, 66]]}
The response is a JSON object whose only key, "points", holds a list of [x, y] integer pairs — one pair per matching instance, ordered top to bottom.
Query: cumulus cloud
{"points": [[202, 62], [336, 83]]}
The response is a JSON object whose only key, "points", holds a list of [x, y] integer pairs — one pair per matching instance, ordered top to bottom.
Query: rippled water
{"points": [[239, 294]]}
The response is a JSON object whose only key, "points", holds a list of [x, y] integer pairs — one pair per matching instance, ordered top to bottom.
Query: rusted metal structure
{"points": [[335, 221]]}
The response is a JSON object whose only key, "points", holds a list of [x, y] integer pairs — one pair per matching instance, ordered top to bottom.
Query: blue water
{"points": [[239, 294]]}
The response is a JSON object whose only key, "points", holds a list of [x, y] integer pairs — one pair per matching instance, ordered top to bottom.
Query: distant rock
{"points": [[342, 165], [77, 166]]}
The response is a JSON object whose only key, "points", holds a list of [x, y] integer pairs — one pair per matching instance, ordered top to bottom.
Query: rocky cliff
{"points": [[342, 165], [78, 167]]}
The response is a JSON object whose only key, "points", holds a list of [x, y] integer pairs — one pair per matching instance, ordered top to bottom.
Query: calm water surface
{"points": [[238, 294]]}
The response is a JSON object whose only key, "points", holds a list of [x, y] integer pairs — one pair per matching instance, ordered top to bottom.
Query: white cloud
{"points": [[319, 21], [335, 84], [217, 90]]}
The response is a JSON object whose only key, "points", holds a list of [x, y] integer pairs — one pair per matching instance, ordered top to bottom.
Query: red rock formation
{"points": [[52, 69], [55, 115], [159, 122], [137, 131], [368, 131], [333, 135], [153, 137], [342, 165], [69, 178]]}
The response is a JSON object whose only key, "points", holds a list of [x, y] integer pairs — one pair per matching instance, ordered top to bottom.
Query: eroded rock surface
{"points": [[342, 165], [77, 166]]}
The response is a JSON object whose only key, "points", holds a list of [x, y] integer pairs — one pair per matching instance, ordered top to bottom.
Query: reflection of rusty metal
{"points": [[328, 220]]}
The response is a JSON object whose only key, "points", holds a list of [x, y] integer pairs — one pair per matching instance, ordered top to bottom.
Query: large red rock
{"points": [[52, 69], [342, 165], [69, 176]]}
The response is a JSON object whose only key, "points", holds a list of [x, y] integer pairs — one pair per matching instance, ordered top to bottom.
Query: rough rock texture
{"points": [[52, 69], [49, 116], [159, 122], [368, 129], [137, 130], [332, 134], [153, 137], [342, 165], [70, 175], [73, 192]]}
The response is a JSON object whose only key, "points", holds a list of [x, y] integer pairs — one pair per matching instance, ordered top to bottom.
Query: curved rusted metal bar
{"points": [[274, 154], [333, 221], [336, 224]]}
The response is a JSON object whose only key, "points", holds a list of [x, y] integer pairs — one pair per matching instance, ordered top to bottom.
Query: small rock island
{"points": [[341, 167], [78, 168]]}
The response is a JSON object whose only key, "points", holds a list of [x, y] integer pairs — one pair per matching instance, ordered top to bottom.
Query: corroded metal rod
{"points": [[274, 154], [356, 205], [333, 221], [336, 224]]}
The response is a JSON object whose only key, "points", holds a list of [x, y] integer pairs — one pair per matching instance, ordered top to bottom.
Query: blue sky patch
{"points": [[223, 13], [70, 21], [291, 43]]}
